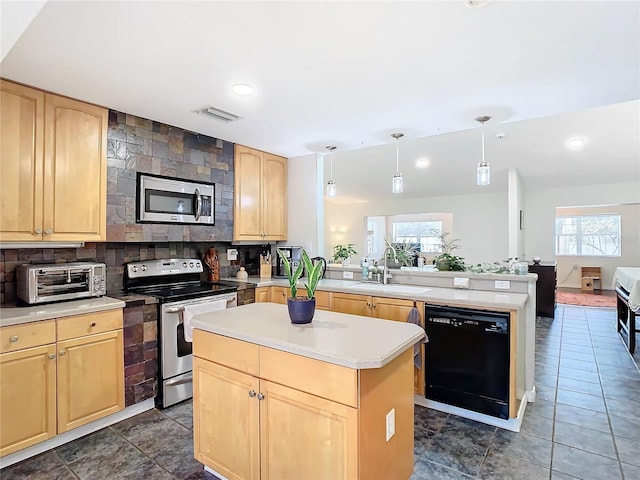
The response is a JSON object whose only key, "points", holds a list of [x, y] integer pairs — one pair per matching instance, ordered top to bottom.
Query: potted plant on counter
{"points": [[342, 253], [446, 260], [302, 308]]}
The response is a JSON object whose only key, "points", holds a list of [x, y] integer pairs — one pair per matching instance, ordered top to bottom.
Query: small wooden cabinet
{"points": [[53, 170], [260, 198], [545, 289], [263, 294], [385, 308], [58, 375]]}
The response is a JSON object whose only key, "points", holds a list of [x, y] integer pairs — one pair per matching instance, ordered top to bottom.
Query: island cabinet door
{"points": [[225, 420], [306, 437]]}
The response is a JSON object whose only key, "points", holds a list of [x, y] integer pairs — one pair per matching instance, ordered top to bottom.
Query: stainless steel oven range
{"points": [[176, 283]]}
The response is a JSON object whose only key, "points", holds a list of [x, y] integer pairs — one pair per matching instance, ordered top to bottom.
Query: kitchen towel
{"points": [[192, 310], [414, 317]]}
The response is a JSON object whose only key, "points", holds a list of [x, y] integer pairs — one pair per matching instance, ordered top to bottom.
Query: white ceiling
{"points": [[351, 73]]}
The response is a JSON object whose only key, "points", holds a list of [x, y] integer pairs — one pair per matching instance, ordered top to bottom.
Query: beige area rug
{"points": [[585, 299]]}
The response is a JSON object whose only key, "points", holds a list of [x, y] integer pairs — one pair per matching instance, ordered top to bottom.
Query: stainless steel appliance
{"points": [[170, 200], [294, 254], [61, 281], [176, 283], [467, 359]]}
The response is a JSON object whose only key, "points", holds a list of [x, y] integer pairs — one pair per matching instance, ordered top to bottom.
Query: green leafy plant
{"points": [[343, 252], [405, 253], [446, 260], [314, 272]]}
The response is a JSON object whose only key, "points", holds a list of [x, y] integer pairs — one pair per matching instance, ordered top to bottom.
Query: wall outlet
{"points": [[232, 254], [347, 275], [460, 282], [503, 284], [391, 423]]}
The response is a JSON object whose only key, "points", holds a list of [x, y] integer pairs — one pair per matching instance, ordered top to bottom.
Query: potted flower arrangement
{"points": [[342, 253], [405, 253], [446, 260], [302, 308]]}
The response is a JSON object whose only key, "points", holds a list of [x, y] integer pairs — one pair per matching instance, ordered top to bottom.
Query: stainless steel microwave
{"points": [[162, 199]]}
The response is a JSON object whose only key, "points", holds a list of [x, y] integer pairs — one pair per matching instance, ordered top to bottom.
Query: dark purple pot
{"points": [[301, 309]]}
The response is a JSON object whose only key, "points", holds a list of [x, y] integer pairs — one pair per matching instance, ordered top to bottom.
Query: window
{"points": [[424, 234], [588, 235]]}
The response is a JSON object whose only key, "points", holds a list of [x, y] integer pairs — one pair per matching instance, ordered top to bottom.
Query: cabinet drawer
{"points": [[81, 325], [27, 335], [236, 354], [326, 380]]}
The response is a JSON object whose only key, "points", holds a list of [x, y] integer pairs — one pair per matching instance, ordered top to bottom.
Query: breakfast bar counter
{"points": [[329, 400]]}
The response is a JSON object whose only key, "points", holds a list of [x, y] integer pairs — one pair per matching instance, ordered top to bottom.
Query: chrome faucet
{"points": [[385, 274]]}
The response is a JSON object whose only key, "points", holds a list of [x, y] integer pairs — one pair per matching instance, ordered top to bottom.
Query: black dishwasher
{"points": [[467, 358]]}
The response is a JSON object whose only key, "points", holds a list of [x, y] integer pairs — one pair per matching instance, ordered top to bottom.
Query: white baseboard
{"points": [[512, 424], [76, 433], [211, 470]]}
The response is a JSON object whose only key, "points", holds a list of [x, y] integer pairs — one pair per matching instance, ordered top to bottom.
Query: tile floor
{"points": [[585, 424]]}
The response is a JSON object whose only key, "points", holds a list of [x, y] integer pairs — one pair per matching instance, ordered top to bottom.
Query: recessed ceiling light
{"points": [[477, 3], [240, 89], [575, 143], [422, 163]]}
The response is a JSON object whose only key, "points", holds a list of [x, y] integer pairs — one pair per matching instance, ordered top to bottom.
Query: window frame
{"points": [[579, 234]]}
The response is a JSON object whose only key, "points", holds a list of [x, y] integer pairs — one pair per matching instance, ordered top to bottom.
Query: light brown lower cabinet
{"points": [[276, 294], [53, 387], [261, 413]]}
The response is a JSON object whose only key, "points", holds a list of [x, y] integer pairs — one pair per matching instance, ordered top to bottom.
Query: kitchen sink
{"points": [[393, 288]]}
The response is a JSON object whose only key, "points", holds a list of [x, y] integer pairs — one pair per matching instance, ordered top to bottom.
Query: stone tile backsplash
{"points": [[137, 144]]}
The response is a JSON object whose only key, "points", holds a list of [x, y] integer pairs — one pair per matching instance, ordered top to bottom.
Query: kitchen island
{"points": [[332, 399]]}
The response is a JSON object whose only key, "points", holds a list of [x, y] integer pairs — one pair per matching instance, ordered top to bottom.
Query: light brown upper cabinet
{"points": [[53, 167], [260, 196]]}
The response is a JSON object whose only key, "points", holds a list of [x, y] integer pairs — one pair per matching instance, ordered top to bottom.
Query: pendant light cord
{"points": [[397, 154]]}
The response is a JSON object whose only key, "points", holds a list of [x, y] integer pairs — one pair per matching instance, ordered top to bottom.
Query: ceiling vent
{"points": [[218, 114]]}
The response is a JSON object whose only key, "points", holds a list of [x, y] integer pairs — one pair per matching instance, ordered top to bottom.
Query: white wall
{"points": [[304, 204], [516, 209], [480, 222], [540, 227]]}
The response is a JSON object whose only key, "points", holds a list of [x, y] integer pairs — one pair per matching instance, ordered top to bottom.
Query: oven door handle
{"points": [[198, 204], [181, 309], [180, 381]]}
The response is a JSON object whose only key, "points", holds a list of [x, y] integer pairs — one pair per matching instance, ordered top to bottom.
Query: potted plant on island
{"points": [[342, 253], [445, 260], [301, 308]]}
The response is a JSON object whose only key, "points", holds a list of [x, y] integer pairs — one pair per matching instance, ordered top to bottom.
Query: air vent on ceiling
{"points": [[218, 114]]}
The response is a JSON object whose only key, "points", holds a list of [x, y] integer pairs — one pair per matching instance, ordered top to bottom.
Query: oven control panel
{"points": [[168, 266]]}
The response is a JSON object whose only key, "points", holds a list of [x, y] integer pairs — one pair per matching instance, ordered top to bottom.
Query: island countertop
{"points": [[352, 341]]}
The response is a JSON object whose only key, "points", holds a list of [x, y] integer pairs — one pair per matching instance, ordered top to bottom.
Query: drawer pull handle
{"points": [[93, 324], [14, 339], [62, 352], [52, 356], [252, 393], [260, 396]]}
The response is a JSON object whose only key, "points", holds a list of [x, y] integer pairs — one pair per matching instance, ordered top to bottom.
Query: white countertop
{"points": [[629, 279], [457, 296], [15, 315], [352, 341]]}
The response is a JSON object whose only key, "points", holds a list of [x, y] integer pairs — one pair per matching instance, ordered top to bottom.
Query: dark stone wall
{"points": [[136, 144], [140, 353]]}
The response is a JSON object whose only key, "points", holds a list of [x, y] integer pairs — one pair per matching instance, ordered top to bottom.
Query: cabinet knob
{"points": [[38, 231], [47, 231], [284, 294], [373, 305], [93, 324], [14, 339], [62, 352], [52, 356], [252, 393], [260, 396]]}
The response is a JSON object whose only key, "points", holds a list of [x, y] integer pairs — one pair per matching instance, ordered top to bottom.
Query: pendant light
{"points": [[483, 174], [331, 185], [397, 185]]}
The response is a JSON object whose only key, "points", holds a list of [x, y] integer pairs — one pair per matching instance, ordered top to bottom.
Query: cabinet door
{"points": [[21, 131], [75, 151], [247, 212], [274, 212], [263, 294], [279, 295], [323, 300], [349, 303], [391, 308], [90, 378], [27, 397], [225, 420], [320, 436]]}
